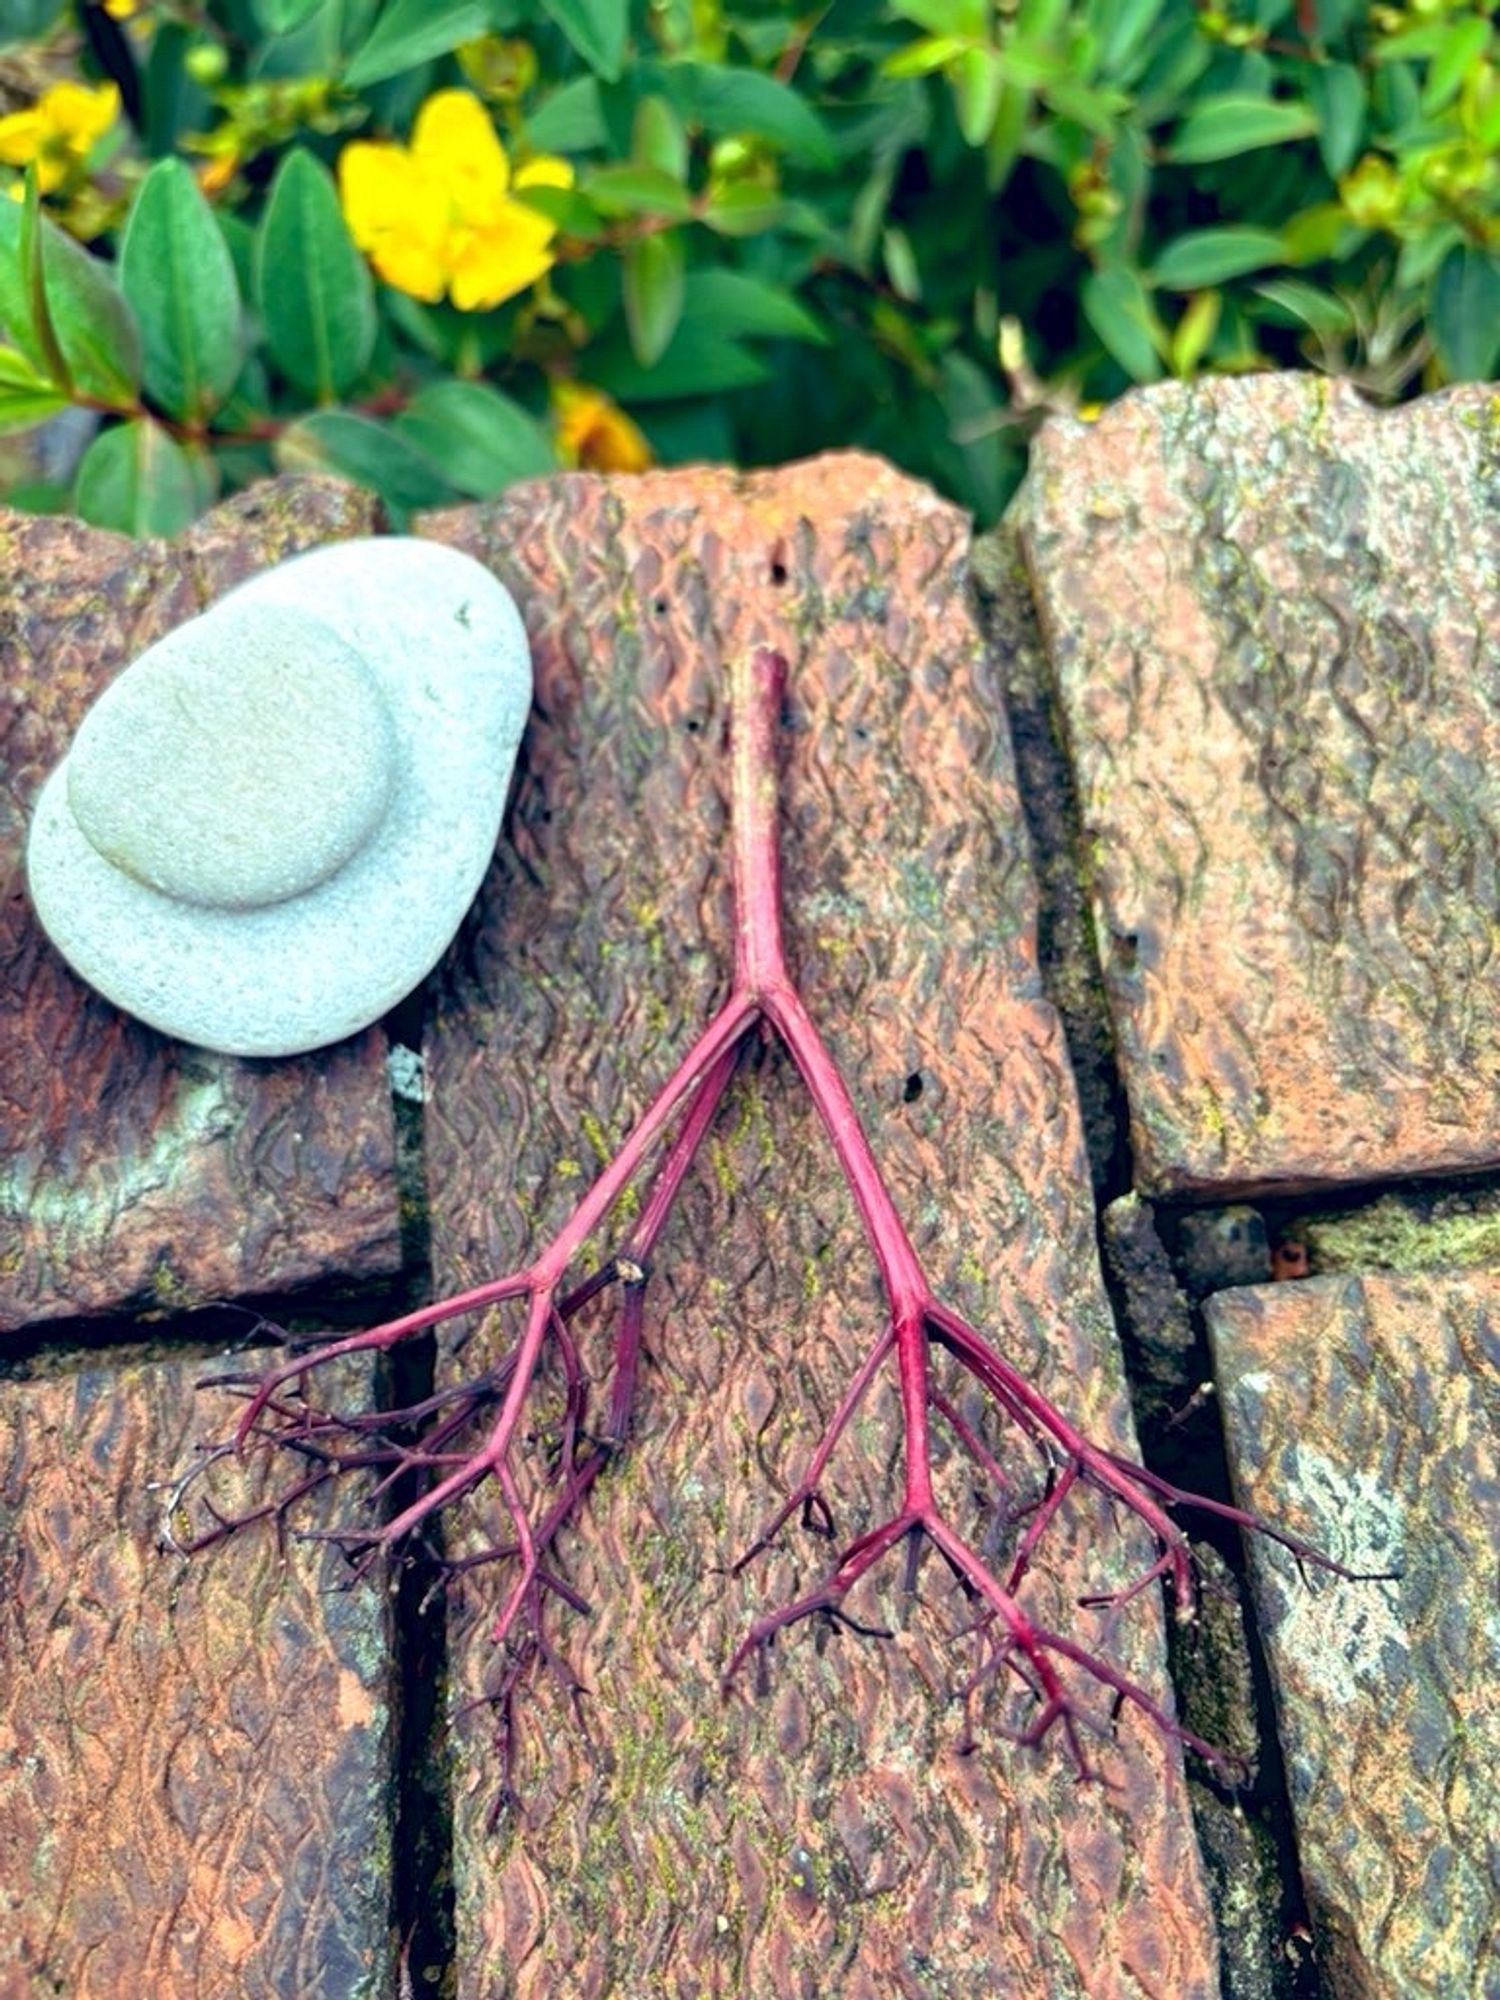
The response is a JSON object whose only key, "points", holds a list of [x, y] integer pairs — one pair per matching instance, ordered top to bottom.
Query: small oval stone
{"points": [[241, 760], [280, 813]]}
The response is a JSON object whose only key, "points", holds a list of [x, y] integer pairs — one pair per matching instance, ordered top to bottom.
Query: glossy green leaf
{"points": [[279, 17], [963, 18], [25, 20], [1122, 27], [597, 29], [410, 32], [1464, 46], [978, 79], [1337, 93], [727, 102], [571, 120], [1223, 127], [658, 139], [636, 190], [743, 209], [1210, 256], [900, 262], [178, 275], [652, 282], [316, 299], [737, 303], [1305, 303], [1119, 309], [1466, 313], [85, 322], [1193, 332], [698, 362], [26, 398], [483, 441], [371, 454], [136, 479]]}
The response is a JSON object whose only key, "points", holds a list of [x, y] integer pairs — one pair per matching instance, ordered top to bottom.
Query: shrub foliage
{"points": [[440, 245]]}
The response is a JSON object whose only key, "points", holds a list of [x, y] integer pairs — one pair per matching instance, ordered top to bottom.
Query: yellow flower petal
{"points": [[80, 116], [21, 136], [456, 143], [546, 170], [397, 216], [492, 264], [594, 432]]}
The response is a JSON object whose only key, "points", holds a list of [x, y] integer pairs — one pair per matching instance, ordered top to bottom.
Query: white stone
{"points": [[269, 827]]}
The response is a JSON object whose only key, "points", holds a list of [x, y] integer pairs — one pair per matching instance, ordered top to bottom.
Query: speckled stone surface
{"points": [[1274, 620], [372, 693], [134, 1170], [1363, 1413], [195, 1757], [828, 1837]]}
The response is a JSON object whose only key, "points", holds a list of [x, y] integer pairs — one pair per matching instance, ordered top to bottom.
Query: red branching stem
{"points": [[428, 1453]]}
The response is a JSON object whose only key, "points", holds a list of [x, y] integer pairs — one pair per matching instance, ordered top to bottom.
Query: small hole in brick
{"points": [[779, 571], [660, 607], [693, 725], [913, 1089]]}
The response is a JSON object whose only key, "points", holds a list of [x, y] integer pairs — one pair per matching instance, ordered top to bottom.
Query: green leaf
{"points": [[279, 17], [964, 18], [26, 20], [1122, 27], [597, 29], [410, 32], [1465, 44], [978, 78], [1337, 91], [727, 102], [1096, 111], [570, 121], [1220, 128], [658, 139], [1003, 147], [636, 190], [743, 209], [1209, 256], [900, 262], [178, 275], [653, 278], [312, 286], [735, 303], [1119, 309], [1317, 309], [1465, 313], [84, 323], [1193, 332], [698, 362], [26, 398], [482, 440], [371, 454], [136, 479]]}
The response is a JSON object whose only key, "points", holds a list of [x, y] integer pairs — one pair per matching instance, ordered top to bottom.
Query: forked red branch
{"points": [[430, 1450]]}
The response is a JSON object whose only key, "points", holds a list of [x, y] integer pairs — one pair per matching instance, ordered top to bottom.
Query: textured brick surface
{"points": [[1272, 612], [134, 1170], [1364, 1414], [194, 1757], [827, 1837]]}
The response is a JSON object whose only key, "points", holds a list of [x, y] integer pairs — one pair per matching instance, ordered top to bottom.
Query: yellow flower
{"points": [[120, 10], [59, 131], [438, 216], [594, 432]]}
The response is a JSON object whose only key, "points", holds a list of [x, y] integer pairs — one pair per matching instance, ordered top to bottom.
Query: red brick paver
{"points": [[1273, 616], [133, 1170], [1362, 1412], [194, 1756], [827, 1837]]}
